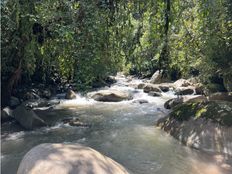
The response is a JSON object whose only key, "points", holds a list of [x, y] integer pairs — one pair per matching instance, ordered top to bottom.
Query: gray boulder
{"points": [[157, 78], [182, 83], [151, 87], [70, 94], [110, 95], [176, 101], [27, 118], [75, 122], [206, 126], [67, 159]]}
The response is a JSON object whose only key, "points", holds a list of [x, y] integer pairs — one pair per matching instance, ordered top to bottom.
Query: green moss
{"points": [[218, 111], [200, 112]]}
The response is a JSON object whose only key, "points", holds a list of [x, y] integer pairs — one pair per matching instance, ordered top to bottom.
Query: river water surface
{"points": [[124, 131]]}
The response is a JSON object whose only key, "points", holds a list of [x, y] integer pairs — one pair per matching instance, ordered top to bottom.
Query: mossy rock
{"points": [[217, 111]]}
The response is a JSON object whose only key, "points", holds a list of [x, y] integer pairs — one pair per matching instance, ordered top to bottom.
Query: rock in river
{"points": [[151, 87], [185, 91], [70, 94], [110, 95], [179, 100], [140, 101], [27, 118], [75, 122], [205, 125], [67, 159]]}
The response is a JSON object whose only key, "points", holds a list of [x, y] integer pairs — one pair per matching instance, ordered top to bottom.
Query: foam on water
{"points": [[15, 136]]}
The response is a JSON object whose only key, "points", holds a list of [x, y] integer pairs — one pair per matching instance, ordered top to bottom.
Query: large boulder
{"points": [[157, 77], [182, 83], [164, 87], [151, 88], [70, 94], [110, 95], [224, 96], [176, 101], [27, 118], [205, 126], [67, 159]]}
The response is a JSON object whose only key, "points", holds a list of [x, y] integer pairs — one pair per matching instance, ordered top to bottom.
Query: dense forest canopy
{"points": [[87, 40]]}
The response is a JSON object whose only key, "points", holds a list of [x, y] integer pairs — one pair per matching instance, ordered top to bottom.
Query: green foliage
{"points": [[85, 41], [216, 111]]}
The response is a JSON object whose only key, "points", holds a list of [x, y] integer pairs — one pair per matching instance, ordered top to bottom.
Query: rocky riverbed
{"points": [[121, 125]]}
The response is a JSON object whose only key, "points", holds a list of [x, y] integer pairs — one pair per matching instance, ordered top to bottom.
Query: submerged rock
{"points": [[70, 94], [155, 94], [110, 95], [140, 101], [27, 118], [75, 122], [203, 125], [67, 159]]}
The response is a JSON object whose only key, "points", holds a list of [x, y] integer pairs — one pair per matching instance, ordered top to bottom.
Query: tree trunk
{"points": [[164, 56]]}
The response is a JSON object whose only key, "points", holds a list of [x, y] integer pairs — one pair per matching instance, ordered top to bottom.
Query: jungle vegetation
{"points": [[84, 41]]}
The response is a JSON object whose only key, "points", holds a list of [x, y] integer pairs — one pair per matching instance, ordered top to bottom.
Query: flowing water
{"points": [[124, 131]]}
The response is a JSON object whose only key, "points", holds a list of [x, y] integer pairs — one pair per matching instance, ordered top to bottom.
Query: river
{"points": [[124, 131]]}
